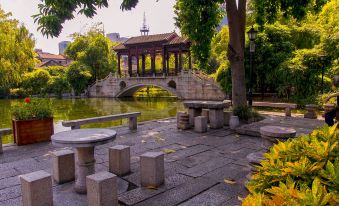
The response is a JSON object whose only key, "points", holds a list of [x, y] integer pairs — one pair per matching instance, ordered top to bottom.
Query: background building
{"points": [[224, 21], [116, 37], [62, 46], [48, 59]]}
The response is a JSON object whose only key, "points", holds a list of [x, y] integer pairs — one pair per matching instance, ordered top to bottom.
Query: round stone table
{"points": [[271, 134], [84, 141]]}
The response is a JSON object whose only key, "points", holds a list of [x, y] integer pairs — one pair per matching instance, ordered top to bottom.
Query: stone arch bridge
{"points": [[187, 85]]}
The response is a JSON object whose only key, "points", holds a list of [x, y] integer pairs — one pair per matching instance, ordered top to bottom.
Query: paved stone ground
{"points": [[195, 172]]}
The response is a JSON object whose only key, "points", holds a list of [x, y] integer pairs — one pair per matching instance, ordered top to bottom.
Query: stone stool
{"points": [[311, 111], [288, 112], [205, 113], [216, 117], [227, 117], [183, 120], [200, 124], [271, 134], [119, 160], [63, 166], [152, 169], [36, 188], [102, 189]]}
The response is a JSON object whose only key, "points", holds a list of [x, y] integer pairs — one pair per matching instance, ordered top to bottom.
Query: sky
{"points": [[159, 15]]}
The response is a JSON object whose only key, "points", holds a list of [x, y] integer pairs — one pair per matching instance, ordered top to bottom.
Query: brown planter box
{"points": [[32, 131]]}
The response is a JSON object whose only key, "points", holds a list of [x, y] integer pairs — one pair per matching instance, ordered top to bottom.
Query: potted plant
{"points": [[32, 121]]}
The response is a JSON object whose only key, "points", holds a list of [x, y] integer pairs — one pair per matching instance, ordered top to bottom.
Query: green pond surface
{"points": [[69, 109]]}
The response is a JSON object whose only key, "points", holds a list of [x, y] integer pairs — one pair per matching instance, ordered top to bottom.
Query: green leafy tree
{"points": [[53, 13], [93, 50], [16, 53], [78, 77], [36, 82], [58, 85]]}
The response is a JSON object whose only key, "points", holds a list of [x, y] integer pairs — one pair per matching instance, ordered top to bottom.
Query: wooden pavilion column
{"points": [[153, 55], [143, 59], [163, 60], [180, 60], [176, 62], [167, 63], [130, 64], [138, 64], [119, 67]]}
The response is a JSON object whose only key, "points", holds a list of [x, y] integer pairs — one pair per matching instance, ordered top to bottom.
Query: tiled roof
{"points": [[151, 38], [178, 40], [120, 47], [51, 56]]}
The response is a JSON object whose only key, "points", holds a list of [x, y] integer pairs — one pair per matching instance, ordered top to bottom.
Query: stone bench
{"points": [[286, 106], [75, 124], [5, 131]]}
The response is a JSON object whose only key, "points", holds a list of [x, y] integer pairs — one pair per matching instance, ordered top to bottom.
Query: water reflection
{"points": [[69, 109]]}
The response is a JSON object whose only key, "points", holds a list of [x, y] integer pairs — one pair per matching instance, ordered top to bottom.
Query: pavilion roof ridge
{"points": [[150, 38]]}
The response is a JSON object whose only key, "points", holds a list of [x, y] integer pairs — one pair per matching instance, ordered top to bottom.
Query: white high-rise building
{"points": [[62, 46]]}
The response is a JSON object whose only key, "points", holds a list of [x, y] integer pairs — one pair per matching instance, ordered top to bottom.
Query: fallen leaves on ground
{"points": [[168, 151], [230, 182], [151, 188]]}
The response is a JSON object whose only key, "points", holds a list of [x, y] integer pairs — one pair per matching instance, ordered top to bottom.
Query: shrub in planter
{"points": [[32, 121], [300, 171]]}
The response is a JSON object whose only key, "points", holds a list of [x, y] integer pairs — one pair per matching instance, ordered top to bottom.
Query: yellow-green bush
{"points": [[300, 171]]}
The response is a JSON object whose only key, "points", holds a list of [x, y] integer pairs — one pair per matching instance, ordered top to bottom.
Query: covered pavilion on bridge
{"points": [[164, 44]]}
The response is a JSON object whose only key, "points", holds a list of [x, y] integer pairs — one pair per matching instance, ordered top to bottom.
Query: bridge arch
{"points": [[131, 89]]}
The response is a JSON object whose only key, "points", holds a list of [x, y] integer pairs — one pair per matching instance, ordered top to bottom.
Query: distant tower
{"points": [[144, 29], [62, 46]]}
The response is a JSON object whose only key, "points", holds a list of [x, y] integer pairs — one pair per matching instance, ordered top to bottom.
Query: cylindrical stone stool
{"points": [[311, 111], [234, 122], [271, 134]]}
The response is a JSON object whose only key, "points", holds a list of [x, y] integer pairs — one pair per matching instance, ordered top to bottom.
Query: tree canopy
{"points": [[93, 50], [16, 54]]}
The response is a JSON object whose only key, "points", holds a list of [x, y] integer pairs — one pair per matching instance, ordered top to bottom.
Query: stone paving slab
{"points": [[195, 165], [207, 167], [180, 193], [140, 194], [217, 195]]}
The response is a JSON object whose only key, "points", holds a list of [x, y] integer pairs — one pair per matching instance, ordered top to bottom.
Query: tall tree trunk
{"points": [[236, 23]]}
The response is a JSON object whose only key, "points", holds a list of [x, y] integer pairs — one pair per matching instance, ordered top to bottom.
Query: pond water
{"points": [[69, 109]]}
